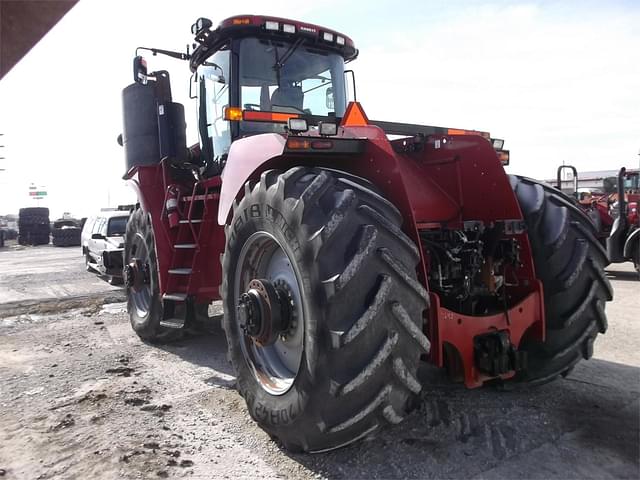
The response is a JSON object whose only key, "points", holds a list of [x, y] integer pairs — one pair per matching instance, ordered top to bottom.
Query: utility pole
{"points": [[1, 157]]}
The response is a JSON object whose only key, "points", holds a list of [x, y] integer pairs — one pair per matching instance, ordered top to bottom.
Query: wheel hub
{"points": [[136, 275], [284, 288], [264, 312]]}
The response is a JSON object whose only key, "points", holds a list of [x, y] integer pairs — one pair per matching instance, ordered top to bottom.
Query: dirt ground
{"points": [[81, 397]]}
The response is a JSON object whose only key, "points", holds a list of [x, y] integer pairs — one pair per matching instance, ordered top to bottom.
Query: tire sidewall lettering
{"points": [[285, 409]]}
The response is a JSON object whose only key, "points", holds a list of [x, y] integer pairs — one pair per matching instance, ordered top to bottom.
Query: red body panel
{"points": [[452, 180], [634, 215], [459, 330]]}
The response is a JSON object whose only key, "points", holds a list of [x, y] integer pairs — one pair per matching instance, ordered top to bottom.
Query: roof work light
{"points": [[200, 25], [298, 125]]}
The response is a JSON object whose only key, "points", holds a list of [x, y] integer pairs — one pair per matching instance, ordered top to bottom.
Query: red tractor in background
{"points": [[594, 203], [614, 212], [623, 243], [343, 258]]}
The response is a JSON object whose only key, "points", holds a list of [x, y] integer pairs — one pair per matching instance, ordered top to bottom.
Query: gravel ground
{"points": [[82, 397]]}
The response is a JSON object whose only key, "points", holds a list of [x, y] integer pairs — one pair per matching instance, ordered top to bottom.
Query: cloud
{"points": [[558, 81], [557, 87], [61, 105]]}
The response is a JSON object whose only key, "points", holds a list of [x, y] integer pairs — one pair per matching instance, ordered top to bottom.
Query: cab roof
{"points": [[239, 26]]}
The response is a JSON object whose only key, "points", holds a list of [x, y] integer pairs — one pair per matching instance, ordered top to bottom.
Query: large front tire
{"points": [[569, 261], [143, 301], [361, 308]]}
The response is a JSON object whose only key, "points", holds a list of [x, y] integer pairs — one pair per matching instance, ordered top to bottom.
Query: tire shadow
{"points": [[205, 346], [584, 426]]}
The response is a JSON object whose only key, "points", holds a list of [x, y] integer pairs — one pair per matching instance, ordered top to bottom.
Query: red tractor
{"points": [[614, 212], [623, 242], [343, 259]]}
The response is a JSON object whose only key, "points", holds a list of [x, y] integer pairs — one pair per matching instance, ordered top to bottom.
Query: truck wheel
{"points": [[569, 261], [87, 263], [143, 299], [322, 309]]}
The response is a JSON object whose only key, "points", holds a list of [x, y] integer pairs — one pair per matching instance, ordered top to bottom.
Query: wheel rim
{"points": [[141, 297], [275, 366]]}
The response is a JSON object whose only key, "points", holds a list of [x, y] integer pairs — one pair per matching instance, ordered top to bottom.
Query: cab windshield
{"points": [[289, 77], [631, 182]]}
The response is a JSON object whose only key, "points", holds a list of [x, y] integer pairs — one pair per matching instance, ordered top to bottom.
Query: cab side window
{"points": [[213, 97]]}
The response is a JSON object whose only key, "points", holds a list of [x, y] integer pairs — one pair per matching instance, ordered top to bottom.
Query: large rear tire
{"points": [[570, 262], [143, 302], [357, 339]]}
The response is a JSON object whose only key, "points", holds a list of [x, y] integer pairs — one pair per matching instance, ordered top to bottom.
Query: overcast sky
{"points": [[559, 81]]}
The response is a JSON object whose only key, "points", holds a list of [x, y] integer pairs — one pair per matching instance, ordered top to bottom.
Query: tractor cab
{"points": [[252, 74], [632, 182]]}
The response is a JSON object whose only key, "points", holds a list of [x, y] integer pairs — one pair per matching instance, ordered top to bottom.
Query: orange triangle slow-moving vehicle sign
{"points": [[354, 116]]}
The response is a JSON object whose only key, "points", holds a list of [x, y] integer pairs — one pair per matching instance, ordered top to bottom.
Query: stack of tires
{"points": [[33, 226], [66, 233], [10, 234]]}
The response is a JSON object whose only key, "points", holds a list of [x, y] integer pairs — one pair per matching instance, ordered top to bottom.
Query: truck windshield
{"points": [[278, 76], [117, 226]]}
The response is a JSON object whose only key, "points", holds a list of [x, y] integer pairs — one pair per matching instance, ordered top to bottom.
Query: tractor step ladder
{"points": [[191, 210], [180, 271], [175, 297], [177, 323]]}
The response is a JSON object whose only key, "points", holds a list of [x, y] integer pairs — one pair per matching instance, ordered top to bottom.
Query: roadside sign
{"points": [[36, 192]]}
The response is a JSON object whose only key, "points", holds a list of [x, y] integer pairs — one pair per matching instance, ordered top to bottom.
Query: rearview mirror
{"points": [[140, 70], [218, 79], [351, 86], [503, 156], [97, 236]]}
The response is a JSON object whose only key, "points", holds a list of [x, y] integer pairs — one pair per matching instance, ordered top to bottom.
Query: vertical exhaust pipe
{"points": [[575, 178], [615, 242]]}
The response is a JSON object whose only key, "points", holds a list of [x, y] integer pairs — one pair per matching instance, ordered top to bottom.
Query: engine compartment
{"points": [[470, 268]]}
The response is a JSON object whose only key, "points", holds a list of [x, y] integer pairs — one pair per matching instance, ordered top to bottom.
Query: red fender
{"points": [[246, 156]]}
